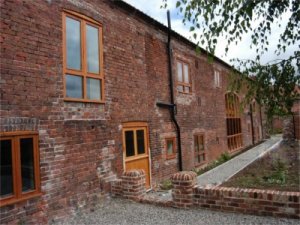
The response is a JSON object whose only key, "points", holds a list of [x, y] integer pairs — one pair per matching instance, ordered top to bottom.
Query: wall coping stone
{"points": [[184, 176]]}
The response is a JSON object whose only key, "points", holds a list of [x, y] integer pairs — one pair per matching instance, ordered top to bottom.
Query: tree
{"points": [[271, 84]]}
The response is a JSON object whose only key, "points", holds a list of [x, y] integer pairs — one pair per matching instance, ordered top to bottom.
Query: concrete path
{"points": [[223, 172]]}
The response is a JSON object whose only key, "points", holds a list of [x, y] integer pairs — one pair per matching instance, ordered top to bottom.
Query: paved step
{"points": [[228, 169]]}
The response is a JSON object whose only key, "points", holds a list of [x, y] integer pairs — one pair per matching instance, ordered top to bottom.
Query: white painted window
{"points": [[217, 78]]}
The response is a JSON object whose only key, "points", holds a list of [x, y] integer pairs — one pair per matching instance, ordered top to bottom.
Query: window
{"points": [[83, 59], [183, 78], [217, 78], [233, 121], [135, 141], [170, 148], [199, 149], [19, 167]]}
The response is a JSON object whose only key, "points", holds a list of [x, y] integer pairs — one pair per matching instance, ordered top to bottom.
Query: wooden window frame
{"points": [[83, 73], [183, 83], [134, 126], [235, 138], [200, 152], [173, 155], [17, 195]]}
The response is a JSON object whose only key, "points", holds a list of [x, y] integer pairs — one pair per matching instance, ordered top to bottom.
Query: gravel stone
{"points": [[126, 212]]}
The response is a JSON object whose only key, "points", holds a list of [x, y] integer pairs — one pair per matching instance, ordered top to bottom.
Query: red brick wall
{"points": [[80, 144], [249, 201]]}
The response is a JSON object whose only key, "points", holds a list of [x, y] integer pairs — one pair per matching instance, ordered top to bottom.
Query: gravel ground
{"points": [[120, 211]]}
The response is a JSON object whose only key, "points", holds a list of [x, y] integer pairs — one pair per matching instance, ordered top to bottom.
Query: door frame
{"points": [[128, 125]]}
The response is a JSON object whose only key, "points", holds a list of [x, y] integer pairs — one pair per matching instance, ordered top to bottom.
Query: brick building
{"points": [[82, 85]]}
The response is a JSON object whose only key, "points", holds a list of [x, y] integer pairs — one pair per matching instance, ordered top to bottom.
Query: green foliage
{"points": [[232, 19], [273, 84], [276, 131], [224, 157], [279, 173], [166, 185], [21, 222]]}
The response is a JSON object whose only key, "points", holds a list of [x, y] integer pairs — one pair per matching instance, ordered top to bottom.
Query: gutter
{"points": [[172, 106], [261, 123], [252, 127]]}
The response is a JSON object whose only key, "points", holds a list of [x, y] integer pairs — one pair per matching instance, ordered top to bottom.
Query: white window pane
{"points": [[92, 43], [73, 47], [179, 72], [186, 73], [215, 78], [74, 86], [180, 88], [93, 89], [187, 89], [169, 147]]}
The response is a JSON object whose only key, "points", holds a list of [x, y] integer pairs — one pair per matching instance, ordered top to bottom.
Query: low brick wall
{"points": [[131, 185], [182, 192], [186, 194], [249, 201]]}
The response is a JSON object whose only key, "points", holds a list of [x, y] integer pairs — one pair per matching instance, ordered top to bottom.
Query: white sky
{"points": [[241, 51]]}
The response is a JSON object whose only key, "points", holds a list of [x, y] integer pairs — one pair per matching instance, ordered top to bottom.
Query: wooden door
{"points": [[135, 148]]}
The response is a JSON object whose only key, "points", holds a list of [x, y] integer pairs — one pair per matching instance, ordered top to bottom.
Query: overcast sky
{"points": [[241, 51]]}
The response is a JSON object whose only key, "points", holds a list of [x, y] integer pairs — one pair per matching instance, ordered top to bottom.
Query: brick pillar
{"points": [[133, 184], [116, 187], [182, 192]]}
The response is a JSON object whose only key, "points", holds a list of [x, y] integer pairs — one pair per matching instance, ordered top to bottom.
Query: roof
{"points": [[134, 11]]}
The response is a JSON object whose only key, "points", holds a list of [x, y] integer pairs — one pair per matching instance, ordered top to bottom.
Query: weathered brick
{"points": [[80, 144]]}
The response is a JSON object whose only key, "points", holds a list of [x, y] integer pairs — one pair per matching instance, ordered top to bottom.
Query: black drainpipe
{"points": [[172, 106], [261, 123], [252, 127]]}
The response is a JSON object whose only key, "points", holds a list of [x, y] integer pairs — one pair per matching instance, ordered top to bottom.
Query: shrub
{"points": [[166, 185]]}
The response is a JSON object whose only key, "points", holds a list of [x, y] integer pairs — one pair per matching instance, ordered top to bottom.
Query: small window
{"points": [[83, 67], [183, 78], [217, 79], [135, 143], [170, 148], [199, 149], [19, 167]]}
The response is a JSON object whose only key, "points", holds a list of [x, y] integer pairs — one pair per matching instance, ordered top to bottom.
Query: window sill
{"points": [[185, 93], [84, 101], [169, 157], [200, 164], [4, 202]]}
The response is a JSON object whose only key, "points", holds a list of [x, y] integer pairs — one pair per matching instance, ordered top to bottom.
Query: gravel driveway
{"points": [[119, 211]]}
